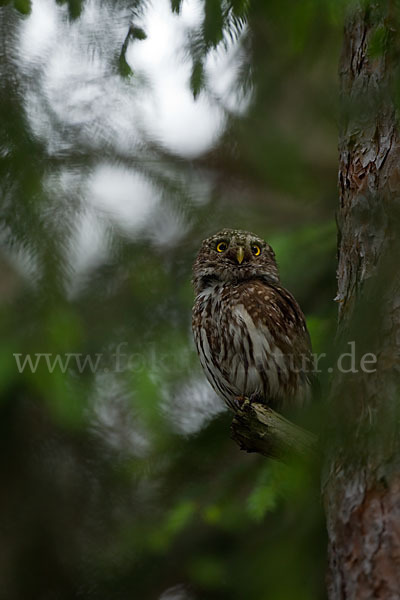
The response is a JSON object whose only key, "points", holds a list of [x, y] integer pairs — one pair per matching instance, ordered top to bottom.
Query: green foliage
{"points": [[23, 6], [176, 6], [75, 7], [240, 8], [213, 23], [134, 33], [137, 33], [378, 42], [123, 67], [197, 79], [124, 482], [264, 497], [175, 521], [208, 571]]}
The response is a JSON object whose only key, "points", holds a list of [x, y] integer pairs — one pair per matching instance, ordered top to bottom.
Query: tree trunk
{"points": [[361, 482]]}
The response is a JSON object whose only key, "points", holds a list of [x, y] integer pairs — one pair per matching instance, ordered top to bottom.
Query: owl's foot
{"points": [[257, 398], [239, 401]]}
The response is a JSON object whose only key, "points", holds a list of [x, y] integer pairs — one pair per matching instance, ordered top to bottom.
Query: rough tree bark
{"points": [[258, 428], [362, 475]]}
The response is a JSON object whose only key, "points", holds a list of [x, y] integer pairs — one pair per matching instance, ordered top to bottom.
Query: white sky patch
{"points": [[191, 14], [39, 31], [222, 68], [77, 86], [74, 95], [75, 99], [170, 114], [124, 196], [167, 227], [89, 246], [193, 406], [114, 417]]}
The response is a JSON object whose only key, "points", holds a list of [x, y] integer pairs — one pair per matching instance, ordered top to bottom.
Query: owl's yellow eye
{"points": [[222, 246], [256, 250]]}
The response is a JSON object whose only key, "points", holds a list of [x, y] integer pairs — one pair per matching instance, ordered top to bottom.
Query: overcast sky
{"points": [[73, 60], [74, 96]]}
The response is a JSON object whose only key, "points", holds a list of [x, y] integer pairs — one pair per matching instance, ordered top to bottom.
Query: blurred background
{"points": [[129, 132]]}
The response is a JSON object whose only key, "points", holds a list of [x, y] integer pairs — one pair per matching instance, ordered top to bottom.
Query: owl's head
{"points": [[233, 255]]}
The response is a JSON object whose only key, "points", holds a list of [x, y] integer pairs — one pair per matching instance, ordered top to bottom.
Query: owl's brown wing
{"points": [[274, 310]]}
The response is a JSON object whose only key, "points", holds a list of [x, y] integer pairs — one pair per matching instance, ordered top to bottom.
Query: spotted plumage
{"points": [[249, 331]]}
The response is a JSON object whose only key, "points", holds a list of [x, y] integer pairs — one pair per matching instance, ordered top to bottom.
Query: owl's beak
{"points": [[240, 255]]}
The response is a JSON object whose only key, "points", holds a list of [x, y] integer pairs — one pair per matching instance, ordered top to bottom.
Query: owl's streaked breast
{"points": [[243, 348]]}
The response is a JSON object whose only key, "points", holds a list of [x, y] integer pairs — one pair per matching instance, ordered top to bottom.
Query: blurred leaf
{"points": [[23, 6], [176, 6], [74, 7], [240, 7], [336, 10], [213, 23], [133, 33], [137, 33], [378, 42], [123, 67], [197, 79], [64, 329], [319, 329], [8, 368], [264, 496], [212, 514], [179, 517], [175, 521], [208, 570]]}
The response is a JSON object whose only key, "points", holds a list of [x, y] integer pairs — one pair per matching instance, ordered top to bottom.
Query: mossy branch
{"points": [[258, 428]]}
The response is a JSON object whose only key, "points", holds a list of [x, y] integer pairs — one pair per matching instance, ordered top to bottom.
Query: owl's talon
{"points": [[256, 398], [240, 400]]}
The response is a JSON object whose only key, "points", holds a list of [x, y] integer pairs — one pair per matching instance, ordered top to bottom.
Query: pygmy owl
{"points": [[249, 331]]}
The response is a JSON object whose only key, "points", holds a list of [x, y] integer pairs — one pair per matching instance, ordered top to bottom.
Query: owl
{"points": [[249, 331]]}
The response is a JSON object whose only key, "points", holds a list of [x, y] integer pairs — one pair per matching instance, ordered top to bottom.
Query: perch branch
{"points": [[258, 428]]}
